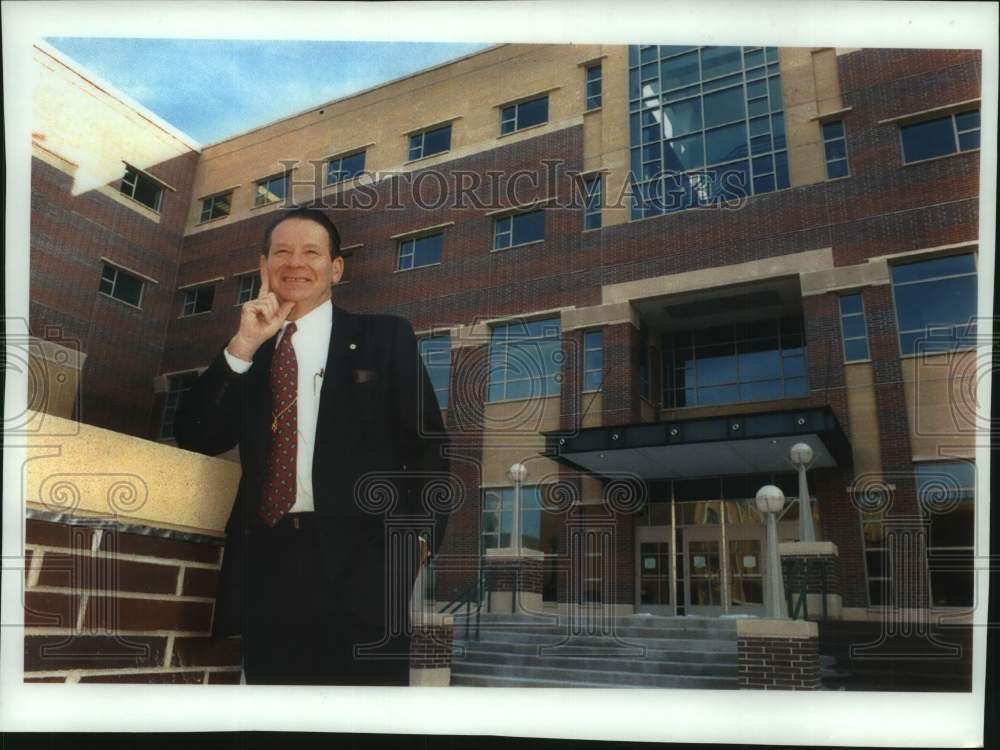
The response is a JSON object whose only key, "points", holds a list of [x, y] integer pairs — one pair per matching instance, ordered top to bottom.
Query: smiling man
{"points": [[329, 409]]}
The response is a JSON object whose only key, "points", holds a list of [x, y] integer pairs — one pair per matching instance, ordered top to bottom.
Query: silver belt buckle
{"points": [[295, 522]]}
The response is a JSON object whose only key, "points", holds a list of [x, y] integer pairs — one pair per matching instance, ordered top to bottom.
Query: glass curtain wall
{"points": [[706, 125]]}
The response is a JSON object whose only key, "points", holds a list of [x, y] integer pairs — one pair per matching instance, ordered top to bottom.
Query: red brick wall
{"points": [[885, 207], [69, 234], [621, 384], [827, 386], [894, 430], [841, 524], [459, 552], [510, 575], [143, 603], [430, 647], [778, 663]]}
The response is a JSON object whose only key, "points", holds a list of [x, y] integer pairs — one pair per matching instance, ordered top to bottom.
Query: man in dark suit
{"points": [[341, 446]]}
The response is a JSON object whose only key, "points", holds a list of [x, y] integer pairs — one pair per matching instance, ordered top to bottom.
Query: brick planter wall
{"points": [[508, 574], [513, 583], [107, 605], [430, 651], [778, 655]]}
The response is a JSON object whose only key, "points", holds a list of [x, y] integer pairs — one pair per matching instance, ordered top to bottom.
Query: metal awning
{"points": [[703, 447]]}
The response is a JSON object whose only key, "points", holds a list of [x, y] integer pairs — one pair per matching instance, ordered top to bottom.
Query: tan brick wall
{"points": [[469, 90], [94, 129], [802, 133], [941, 405], [862, 410]]}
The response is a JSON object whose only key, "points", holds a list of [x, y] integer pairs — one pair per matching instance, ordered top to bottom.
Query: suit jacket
{"points": [[379, 429]]}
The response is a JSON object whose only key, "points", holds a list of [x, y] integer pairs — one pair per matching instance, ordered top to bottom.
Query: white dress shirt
{"points": [[311, 343]]}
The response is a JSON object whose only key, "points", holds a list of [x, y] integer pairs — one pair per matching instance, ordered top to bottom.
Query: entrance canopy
{"points": [[707, 446]]}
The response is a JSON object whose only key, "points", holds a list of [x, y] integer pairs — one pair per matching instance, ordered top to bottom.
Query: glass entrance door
{"points": [[746, 573], [704, 579], [655, 582], [707, 593]]}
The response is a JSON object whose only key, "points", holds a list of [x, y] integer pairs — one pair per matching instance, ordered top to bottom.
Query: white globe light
{"points": [[801, 454], [518, 472], [770, 499]]}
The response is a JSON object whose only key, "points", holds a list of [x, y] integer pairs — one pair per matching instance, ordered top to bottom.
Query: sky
{"points": [[212, 89]]}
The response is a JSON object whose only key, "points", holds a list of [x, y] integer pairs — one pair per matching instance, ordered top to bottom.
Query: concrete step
{"points": [[721, 623], [623, 628], [668, 643], [628, 651], [646, 653], [603, 664], [485, 674], [472, 680]]}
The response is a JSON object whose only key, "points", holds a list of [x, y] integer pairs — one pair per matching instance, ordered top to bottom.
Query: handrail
{"points": [[467, 596], [797, 601]]}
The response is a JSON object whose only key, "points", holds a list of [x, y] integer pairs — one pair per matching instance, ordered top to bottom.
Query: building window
{"points": [[593, 88], [522, 115], [706, 125], [940, 136], [430, 142], [835, 149], [345, 168], [142, 188], [271, 190], [592, 202], [216, 206], [518, 229], [419, 251], [121, 285], [249, 287], [198, 300], [935, 303], [853, 328], [436, 354], [525, 360], [593, 360], [735, 363], [644, 379], [177, 386], [946, 493], [539, 526], [596, 549], [877, 563]]}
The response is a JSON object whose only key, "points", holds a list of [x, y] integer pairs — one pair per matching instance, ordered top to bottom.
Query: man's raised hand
{"points": [[260, 319]]}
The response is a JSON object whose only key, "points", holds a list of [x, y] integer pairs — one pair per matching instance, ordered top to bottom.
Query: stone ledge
{"points": [[82, 470], [807, 549], [500, 554], [431, 619], [755, 628], [430, 677]]}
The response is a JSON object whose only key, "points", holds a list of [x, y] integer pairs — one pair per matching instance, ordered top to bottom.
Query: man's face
{"points": [[299, 267]]}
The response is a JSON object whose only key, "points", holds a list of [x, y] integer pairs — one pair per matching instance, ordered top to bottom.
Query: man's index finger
{"points": [[264, 286]]}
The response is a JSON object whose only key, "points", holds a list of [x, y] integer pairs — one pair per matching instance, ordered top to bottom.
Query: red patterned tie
{"points": [[278, 492]]}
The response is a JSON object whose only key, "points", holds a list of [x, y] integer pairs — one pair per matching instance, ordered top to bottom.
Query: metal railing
{"points": [[797, 590], [471, 597]]}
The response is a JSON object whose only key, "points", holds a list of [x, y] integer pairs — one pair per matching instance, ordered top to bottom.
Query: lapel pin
{"points": [[352, 347]]}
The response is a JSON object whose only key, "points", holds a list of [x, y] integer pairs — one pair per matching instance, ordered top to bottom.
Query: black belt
{"points": [[297, 521]]}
